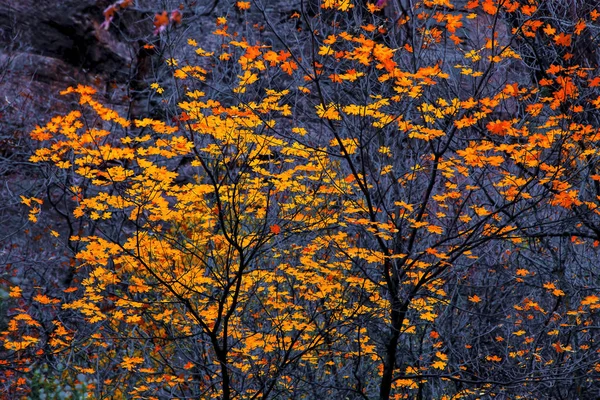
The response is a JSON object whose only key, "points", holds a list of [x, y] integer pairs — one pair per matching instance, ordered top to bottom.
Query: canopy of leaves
{"points": [[371, 201]]}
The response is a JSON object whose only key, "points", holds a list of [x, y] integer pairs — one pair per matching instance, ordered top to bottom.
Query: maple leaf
{"points": [[472, 4], [242, 5], [489, 7], [528, 9], [175, 17], [161, 21], [453, 22], [579, 27], [549, 30], [562, 39], [289, 67], [554, 69], [248, 78], [595, 82], [534, 109], [328, 112], [499, 127], [435, 229], [15, 292], [43, 299], [474, 299], [592, 299], [428, 316], [558, 346], [129, 363], [439, 364], [189, 365]]}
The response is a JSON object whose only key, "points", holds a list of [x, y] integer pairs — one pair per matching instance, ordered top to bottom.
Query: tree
{"points": [[372, 202]]}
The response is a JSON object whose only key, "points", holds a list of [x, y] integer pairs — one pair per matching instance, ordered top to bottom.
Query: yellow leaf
{"points": [[328, 112], [435, 229], [15, 292], [428, 316], [129, 363], [439, 364]]}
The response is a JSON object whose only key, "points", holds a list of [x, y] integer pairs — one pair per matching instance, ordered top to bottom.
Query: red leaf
{"points": [[125, 3], [110, 11], [176, 16], [160, 22], [595, 82]]}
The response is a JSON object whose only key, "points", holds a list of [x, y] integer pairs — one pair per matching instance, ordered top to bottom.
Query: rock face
{"points": [[64, 30]]}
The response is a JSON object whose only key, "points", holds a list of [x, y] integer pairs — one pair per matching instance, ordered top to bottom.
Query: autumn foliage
{"points": [[384, 202]]}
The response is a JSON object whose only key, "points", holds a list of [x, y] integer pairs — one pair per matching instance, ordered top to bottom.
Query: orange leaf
{"points": [[472, 4], [243, 5], [489, 7], [528, 10], [110, 11], [176, 16], [160, 22], [453, 22], [579, 27], [549, 30], [563, 39], [252, 52], [284, 55], [289, 67], [554, 69], [594, 82], [499, 127], [275, 229], [435, 229], [474, 299], [590, 300], [558, 347], [189, 365]]}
